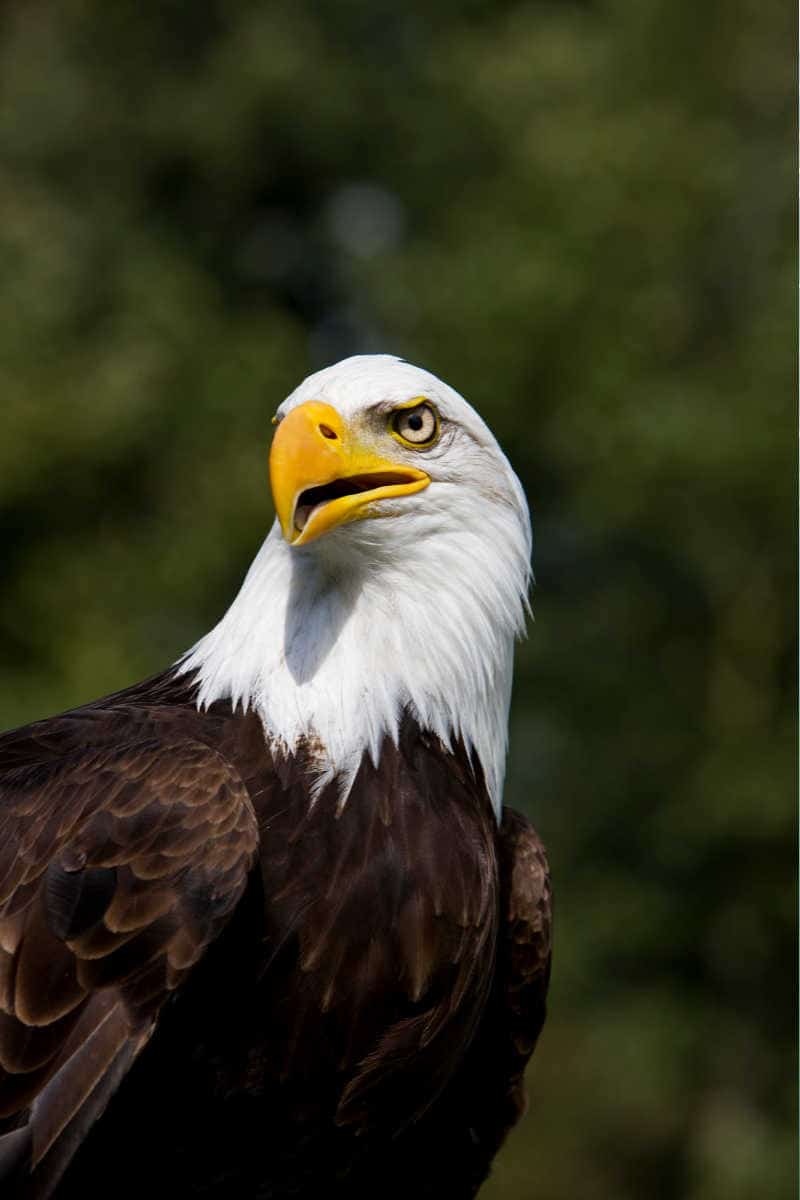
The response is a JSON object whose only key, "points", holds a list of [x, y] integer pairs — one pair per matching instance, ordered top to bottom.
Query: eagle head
{"points": [[373, 438], [393, 582]]}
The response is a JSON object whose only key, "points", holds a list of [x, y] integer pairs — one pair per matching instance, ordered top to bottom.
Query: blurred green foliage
{"points": [[579, 214]]}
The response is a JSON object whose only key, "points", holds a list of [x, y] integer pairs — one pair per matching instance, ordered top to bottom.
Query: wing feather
{"points": [[120, 863], [526, 945], [487, 1096]]}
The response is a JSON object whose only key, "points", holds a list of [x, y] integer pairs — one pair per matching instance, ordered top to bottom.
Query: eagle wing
{"points": [[119, 863], [525, 945], [489, 1097], [463, 1130]]}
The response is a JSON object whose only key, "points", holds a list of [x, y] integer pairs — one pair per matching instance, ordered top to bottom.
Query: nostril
{"points": [[327, 432]]}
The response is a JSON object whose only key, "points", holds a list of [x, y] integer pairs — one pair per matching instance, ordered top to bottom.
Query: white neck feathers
{"points": [[335, 642]]}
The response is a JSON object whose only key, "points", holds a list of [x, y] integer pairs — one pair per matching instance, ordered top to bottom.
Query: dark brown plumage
{"points": [[209, 987]]}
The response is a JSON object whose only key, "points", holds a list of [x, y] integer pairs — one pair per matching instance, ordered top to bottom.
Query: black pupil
{"points": [[415, 421]]}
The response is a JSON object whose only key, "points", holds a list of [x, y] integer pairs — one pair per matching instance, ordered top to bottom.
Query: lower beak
{"points": [[321, 477]]}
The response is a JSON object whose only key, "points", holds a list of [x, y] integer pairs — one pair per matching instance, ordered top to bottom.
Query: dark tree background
{"points": [[581, 215]]}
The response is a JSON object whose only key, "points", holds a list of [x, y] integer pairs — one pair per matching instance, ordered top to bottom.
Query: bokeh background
{"points": [[581, 215]]}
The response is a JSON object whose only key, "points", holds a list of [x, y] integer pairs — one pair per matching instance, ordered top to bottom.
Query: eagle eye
{"points": [[417, 426]]}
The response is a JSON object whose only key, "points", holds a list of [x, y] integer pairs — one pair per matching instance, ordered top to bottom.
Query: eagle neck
{"points": [[333, 645]]}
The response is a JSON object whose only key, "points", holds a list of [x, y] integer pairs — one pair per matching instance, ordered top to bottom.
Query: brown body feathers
{"points": [[210, 987]]}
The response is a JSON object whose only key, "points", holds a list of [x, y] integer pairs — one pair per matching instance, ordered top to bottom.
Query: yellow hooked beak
{"points": [[321, 477]]}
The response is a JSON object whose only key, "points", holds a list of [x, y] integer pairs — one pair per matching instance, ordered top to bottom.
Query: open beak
{"points": [[321, 477]]}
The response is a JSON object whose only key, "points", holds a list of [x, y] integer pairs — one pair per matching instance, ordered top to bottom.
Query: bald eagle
{"points": [[266, 929]]}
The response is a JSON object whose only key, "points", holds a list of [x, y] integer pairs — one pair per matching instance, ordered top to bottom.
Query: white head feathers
{"points": [[335, 640]]}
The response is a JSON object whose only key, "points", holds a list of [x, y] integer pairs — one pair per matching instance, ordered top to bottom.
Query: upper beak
{"points": [[322, 477]]}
